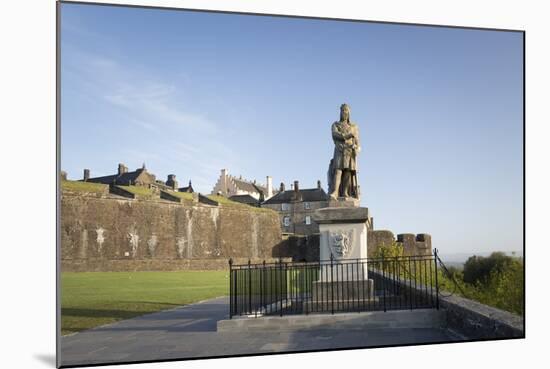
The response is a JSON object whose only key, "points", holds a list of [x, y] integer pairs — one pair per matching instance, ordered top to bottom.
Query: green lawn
{"points": [[92, 299]]}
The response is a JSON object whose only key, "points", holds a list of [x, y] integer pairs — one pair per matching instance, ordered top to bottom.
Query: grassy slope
{"points": [[77, 186], [139, 191], [182, 195], [224, 201], [93, 299]]}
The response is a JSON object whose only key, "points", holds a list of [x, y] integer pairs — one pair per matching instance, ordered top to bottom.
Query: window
{"points": [[307, 205], [285, 207], [308, 220], [286, 221]]}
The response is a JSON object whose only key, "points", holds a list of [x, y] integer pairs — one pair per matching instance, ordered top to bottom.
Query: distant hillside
{"points": [[455, 264]]}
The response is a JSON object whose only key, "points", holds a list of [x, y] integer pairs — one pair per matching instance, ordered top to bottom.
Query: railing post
{"points": [[384, 280], [305, 281], [331, 283], [410, 283], [436, 283], [281, 284], [357, 287], [249, 288], [263, 289], [256, 290], [231, 291]]}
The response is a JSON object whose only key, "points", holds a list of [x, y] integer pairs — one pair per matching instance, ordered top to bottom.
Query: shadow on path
{"points": [[190, 332]]}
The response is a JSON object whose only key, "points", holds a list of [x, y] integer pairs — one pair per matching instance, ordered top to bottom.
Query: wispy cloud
{"points": [[144, 96], [180, 138]]}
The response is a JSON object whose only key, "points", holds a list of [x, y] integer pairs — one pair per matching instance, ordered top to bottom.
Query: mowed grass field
{"points": [[92, 299]]}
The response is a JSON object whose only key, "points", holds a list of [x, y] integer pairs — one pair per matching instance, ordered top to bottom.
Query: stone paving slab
{"points": [[190, 332]]}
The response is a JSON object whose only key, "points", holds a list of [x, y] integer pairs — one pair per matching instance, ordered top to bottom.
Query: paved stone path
{"points": [[190, 332]]}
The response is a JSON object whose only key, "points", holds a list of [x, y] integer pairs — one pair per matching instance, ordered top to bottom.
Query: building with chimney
{"points": [[138, 177], [236, 188], [296, 207]]}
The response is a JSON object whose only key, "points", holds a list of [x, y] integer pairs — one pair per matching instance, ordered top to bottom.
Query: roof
{"points": [[120, 179], [248, 186], [186, 189], [307, 195], [245, 199]]}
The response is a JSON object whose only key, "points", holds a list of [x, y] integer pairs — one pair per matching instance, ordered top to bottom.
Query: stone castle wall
{"points": [[112, 234], [420, 244], [306, 247]]}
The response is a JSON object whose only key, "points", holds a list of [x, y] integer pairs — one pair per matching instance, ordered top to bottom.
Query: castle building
{"points": [[138, 177], [230, 186], [188, 189], [246, 199], [296, 207]]}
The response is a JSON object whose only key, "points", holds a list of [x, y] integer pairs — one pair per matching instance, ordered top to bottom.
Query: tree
{"points": [[395, 249], [479, 268]]}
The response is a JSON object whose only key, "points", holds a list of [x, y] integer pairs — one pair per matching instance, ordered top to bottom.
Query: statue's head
{"points": [[344, 113]]}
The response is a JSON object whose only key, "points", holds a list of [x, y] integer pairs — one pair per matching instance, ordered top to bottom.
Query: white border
{"points": [[27, 145]]}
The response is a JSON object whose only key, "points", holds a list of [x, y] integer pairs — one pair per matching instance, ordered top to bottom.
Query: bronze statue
{"points": [[342, 174]]}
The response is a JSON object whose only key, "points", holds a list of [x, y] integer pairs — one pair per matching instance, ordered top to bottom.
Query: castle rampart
{"points": [[109, 233]]}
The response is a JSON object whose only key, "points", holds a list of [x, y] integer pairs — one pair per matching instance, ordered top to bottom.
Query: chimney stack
{"points": [[122, 169], [86, 174], [171, 182], [224, 182], [318, 184], [269, 185], [282, 187], [296, 187]]}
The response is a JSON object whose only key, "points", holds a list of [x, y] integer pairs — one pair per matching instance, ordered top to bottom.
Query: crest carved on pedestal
{"points": [[341, 242]]}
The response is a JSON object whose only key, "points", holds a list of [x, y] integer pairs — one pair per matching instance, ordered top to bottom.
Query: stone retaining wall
{"points": [[116, 234]]}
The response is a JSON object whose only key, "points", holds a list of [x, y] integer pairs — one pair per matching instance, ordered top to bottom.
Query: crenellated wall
{"points": [[103, 233], [420, 244], [306, 248]]}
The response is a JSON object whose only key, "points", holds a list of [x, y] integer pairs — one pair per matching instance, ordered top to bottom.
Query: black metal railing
{"points": [[335, 285]]}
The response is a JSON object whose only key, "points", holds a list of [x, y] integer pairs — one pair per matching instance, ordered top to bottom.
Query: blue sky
{"points": [[439, 110]]}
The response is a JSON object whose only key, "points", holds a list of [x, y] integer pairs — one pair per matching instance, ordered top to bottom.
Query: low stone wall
{"points": [[116, 234], [469, 318], [478, 321]]}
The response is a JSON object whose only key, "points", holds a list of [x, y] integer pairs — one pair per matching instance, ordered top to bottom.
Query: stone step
{"points": [[342, 305], [421, 318]]}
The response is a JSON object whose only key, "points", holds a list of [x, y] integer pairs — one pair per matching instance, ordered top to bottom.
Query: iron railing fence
{"points": [[332, 286]]}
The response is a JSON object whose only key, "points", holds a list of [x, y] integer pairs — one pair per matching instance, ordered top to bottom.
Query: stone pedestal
{"points": [[343, 202], [343, 232]]}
